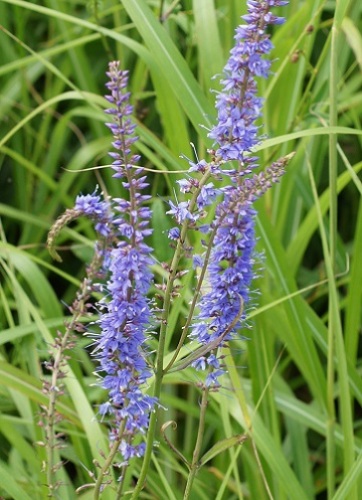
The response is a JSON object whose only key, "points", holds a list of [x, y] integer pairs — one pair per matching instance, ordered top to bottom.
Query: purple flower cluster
{"points": [[237, 104], [121, 126], [92, 206], [231, 260], [230, 265], [230, 272], [125, 312]]}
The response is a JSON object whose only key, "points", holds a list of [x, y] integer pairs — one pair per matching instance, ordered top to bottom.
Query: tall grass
{"points": [[286, 423]]}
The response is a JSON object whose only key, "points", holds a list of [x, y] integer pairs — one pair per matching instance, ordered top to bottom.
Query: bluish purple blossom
{"points": [[237, 104], [201, 166], [185, 185], [207, 196], [92, 206], [181, 212], [174, 233], [231, 260], [197, 261], [230, 273], [126, 312]]}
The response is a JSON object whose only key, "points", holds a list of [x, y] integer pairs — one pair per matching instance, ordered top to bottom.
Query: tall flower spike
{"points": [[231, 260], [126, 312]]}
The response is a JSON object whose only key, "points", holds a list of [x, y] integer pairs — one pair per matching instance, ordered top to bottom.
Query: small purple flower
{"points": [[200, 166], [185, 185], [207, 195], [92, 206], [181, 212], [174, 233], [197, 261], [200, 363], [212, 379], [130, 451]]}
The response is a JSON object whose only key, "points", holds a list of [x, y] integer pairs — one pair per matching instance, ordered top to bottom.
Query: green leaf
{"points": [[354, 38], [171, 64], [38, 284], [14, 378], [222, 446], [350, 481], [10, 485]]}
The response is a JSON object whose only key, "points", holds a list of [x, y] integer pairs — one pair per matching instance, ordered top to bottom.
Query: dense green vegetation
{"points": [[293, 393]]}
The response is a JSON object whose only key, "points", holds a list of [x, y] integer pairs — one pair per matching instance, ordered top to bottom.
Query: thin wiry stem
{"points": [[159, 371], [54, 388]]}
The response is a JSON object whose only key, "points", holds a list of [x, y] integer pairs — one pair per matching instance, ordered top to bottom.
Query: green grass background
{"points": [[297, 381]]}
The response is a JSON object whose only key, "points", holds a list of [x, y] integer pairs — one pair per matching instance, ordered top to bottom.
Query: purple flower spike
{"points": [[237, 104], [121, 127], [230, 266], [126, 312]]}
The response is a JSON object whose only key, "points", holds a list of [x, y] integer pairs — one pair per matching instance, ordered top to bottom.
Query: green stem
{"points": [[160, 11], [104, 39], [333, 120], [193, 304], [61, 344], [159, 372], [200, 435], [108, 462], [194, 467], [121, 484]]}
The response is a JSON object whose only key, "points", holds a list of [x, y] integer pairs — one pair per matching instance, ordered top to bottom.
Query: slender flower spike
{"points": [[237, 104], [232, 255], [125, 312]]}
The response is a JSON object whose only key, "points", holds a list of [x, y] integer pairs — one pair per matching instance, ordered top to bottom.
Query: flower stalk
{"points": [[159, 368], [55, 388], [199, 439]]}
